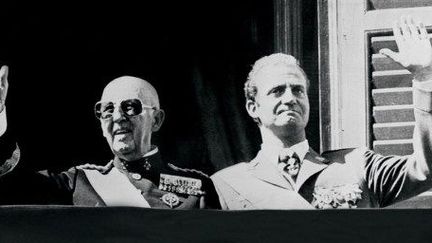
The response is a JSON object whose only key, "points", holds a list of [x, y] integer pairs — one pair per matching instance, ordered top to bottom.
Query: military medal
{"points": [[180, 184], [170, 199]]}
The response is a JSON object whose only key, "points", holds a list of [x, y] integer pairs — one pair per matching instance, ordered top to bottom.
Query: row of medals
{"points": [[184, 186]]}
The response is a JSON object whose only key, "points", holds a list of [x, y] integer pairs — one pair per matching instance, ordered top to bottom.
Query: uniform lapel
{"points": [[312, 164], [262, 168]]}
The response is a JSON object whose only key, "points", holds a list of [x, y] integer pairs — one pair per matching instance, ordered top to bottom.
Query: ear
{"points": [[251, 107], [158, 119]]}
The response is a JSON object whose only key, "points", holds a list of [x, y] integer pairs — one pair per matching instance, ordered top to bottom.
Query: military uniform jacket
{"points": [[343, 179], [141, 185], [166, 187]]}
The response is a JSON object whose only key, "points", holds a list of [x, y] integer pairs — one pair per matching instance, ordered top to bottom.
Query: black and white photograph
{"points": [[216, 121]]}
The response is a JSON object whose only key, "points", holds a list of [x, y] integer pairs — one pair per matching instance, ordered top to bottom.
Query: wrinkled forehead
{"points": [[274, 75], [130, 88]]}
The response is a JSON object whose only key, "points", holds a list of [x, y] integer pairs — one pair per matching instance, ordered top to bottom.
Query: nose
{"points": [[288, 97], [118, 114]]}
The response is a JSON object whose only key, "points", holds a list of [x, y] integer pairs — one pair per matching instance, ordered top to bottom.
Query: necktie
{"points": [[291, 162]]}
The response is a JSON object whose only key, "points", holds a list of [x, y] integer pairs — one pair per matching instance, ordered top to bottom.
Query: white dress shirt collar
{"points": [[301, 149], [271, 151]]}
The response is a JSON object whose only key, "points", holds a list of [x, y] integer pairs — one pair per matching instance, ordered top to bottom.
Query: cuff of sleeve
{"points": [[3, 122]]}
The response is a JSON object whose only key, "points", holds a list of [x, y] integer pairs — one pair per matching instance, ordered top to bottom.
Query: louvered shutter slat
{"points": [[392, 112]]}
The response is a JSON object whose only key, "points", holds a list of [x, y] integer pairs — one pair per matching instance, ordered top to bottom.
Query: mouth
{"points": [[288, 112], [122, 131]]}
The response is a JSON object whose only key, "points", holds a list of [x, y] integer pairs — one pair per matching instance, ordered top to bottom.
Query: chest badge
{"points": [[170, 199]]}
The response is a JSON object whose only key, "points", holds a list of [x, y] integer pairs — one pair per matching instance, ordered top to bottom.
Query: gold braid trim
{"points": [[188, 170]]}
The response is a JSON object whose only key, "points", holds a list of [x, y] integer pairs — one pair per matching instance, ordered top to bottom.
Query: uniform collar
{"points": [[153, 150], [152, 155], [149, 166]]}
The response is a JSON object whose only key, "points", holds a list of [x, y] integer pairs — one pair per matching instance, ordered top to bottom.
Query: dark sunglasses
{"points": [[131, 107]]}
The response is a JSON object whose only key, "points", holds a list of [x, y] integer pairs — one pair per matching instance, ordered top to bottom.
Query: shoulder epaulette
{"points": [[102, 169], [187, 170]]}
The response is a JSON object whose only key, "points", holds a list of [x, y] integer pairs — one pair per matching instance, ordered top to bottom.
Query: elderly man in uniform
{"points": [[129, 113], [288, 174]]}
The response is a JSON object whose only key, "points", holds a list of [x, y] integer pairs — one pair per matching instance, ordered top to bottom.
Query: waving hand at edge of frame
{"points": [[415, 50]]}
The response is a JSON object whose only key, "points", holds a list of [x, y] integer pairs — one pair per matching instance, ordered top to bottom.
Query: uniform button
{"points": [[136, 176]]}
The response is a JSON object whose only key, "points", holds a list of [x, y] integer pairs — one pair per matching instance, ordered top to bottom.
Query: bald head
{"points": [[128, 87], [129, 136]]}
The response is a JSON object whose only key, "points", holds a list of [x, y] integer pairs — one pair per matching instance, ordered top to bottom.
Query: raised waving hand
{"points": [[415, 50]]}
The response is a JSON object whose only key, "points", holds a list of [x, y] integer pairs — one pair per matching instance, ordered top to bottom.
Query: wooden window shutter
{"points": [[366, 98], [392, 114]]}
